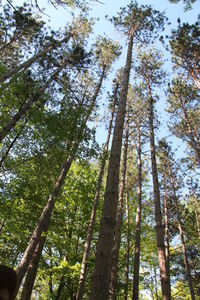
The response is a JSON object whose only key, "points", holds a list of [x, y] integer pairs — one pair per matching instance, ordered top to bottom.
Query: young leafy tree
{"points": [[138, 23], [63, 247]]}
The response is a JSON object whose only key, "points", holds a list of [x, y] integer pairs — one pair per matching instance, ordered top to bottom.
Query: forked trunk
{"points": [[138, 219], [86, 253], [102, 269], [165, 282]]}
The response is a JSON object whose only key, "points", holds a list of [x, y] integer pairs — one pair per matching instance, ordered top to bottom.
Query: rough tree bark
{"points": [[86, 253], [115, 255], [102, 269]]}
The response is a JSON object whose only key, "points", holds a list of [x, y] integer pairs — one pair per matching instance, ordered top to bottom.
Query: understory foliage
{"points": [[99, 220]]}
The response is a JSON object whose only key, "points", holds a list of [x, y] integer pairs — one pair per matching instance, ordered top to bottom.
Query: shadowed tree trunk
{"points": [[138, 217], [44, 220], [115, 255], [102, 269], [165, 282], [80, 290]]}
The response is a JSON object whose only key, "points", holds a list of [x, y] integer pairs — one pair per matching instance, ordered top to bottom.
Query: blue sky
{"points": [[58, 18]]}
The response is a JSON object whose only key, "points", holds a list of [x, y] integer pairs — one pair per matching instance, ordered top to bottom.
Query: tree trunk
{"points": [[25, 65], [24, 108], [192, 134], [5, 155], [138, 219], [44, 220], [166, 228], [127, 248], [86, 253], [115, 255], [187, 267], [102, 269], [32, 270], [165, 282], [60, 287]]}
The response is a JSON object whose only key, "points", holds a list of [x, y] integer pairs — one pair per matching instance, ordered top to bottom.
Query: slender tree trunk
{"points": [[25, 65], [25, 107], [5, 155], [138, 219], [44, 220], [166, 227], [127, 248], [86, 253], [115, 255], [187, 267], [102, 269], [32, 271], [165, 282], [50, 284]]}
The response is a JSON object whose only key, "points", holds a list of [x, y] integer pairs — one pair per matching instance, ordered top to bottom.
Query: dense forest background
{"points": [[100, 150]]}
